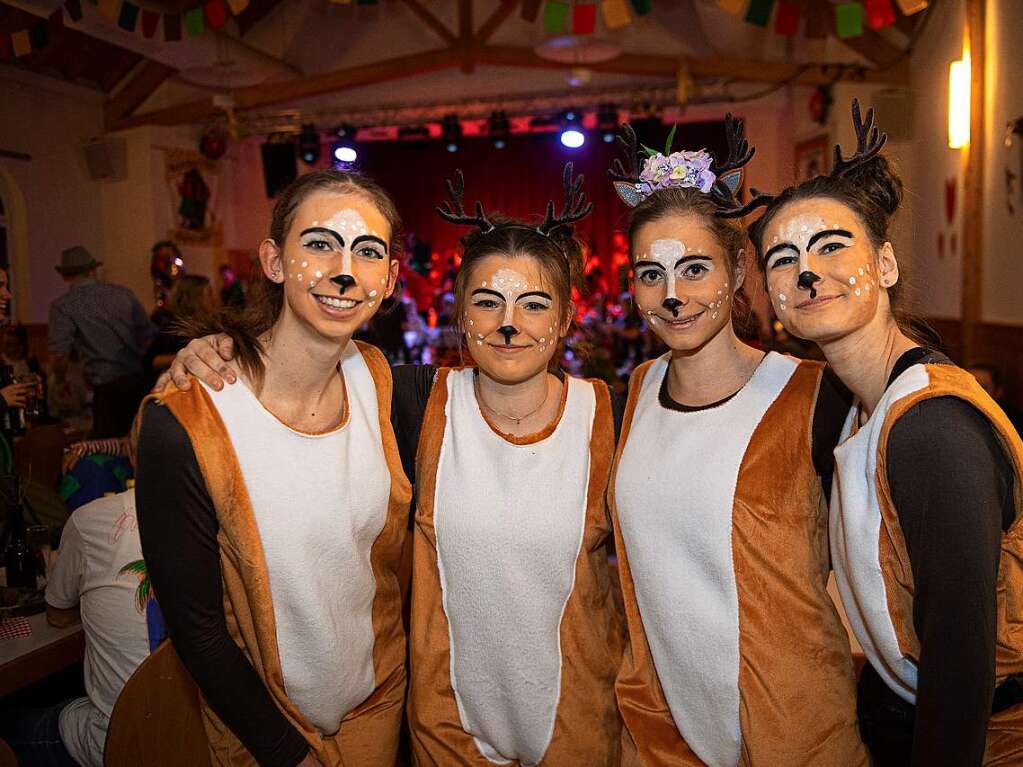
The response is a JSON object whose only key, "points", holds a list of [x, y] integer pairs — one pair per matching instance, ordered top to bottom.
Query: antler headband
{"points": [[869, 142], [696, 170], [574, 209]]}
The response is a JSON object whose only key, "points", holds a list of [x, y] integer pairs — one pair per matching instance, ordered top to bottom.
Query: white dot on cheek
{"points": [[305, 264], [319, 274], [852, 280], [857, 291], [372, 294]]}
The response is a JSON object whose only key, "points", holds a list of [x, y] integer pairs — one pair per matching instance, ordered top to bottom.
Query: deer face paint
{"points": [[824, 238], [335, 260], [680, 281], [512, 321]]}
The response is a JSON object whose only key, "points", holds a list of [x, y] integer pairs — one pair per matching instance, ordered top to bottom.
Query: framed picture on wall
{"points": [[812, 158]]}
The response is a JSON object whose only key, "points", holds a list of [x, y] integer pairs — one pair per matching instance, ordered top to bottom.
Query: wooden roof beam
{"points": [[497, 18], [432, 22], [466, 37], [745, 70], [140, 84], [266, 94]]}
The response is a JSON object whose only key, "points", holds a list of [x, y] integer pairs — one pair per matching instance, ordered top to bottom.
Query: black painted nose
{"points": [[807, 280], [345, 281], [672, 305], [508, 331]]}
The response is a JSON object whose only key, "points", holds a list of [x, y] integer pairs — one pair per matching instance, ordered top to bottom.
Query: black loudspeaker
{"points": [[280, 166]]}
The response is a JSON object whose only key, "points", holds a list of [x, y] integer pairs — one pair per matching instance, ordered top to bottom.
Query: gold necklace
{"points": [[517, 419]]}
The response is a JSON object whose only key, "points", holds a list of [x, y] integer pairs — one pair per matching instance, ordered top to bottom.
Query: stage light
{"points": [[959, 102], [607, 122], [499, 129], [451, 132], [572, 135], [309, 144], [344, 152]]}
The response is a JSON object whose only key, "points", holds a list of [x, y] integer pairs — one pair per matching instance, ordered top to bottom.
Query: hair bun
{"points": [[880, 182]]}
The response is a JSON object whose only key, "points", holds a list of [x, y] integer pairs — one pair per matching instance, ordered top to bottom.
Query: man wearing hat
{"points": [[108, 328]]}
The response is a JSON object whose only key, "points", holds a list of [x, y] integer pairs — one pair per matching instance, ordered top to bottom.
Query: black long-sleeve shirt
{"points": [[952, 488]]}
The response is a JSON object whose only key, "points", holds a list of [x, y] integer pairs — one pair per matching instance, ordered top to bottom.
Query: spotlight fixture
{"points": [[607, 122], [500, 129], [451, 132], [572, 135], [309, 144], [344, 152]]}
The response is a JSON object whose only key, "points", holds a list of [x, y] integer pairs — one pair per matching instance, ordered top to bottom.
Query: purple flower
{"points": [[678, 170]]}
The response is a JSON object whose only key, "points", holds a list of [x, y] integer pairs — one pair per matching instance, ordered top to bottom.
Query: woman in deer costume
{"points": [[273, 513], [925, 537], [514, 641], [736, 653]]}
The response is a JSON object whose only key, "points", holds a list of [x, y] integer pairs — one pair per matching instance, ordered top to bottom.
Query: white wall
{"points": [[49, 121], [1002, 281]]}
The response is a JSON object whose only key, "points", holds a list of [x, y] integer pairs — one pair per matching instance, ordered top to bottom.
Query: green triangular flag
{"points": [[641, 7], [759, 12], [555, 17], [849, 20], [194, 24]]}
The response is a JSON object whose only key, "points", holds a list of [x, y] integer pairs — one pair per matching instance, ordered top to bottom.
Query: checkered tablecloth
{"points": [[15, 628]]}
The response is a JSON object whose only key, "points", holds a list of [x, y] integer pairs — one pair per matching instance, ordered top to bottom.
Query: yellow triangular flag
{"points": [[237, 6], [734, 7], [111, 9], [615, 14], [20, 42]]}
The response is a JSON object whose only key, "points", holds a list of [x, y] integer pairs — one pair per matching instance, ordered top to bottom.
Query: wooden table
{"points": [[48, 650]]}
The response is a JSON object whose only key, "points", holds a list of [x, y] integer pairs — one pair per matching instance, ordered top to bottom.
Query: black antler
{"points": [[869, 141], [739, 150], [618, 171], [760, 200], [575, 206], [455, 213]]}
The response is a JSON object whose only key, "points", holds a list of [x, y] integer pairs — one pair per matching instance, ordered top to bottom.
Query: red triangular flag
{"points": [[880, 13], [216, 14], [584, 18], [150, 21], [786, 21], [172, 27]]}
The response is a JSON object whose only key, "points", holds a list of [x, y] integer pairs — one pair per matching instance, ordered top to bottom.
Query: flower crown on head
{"points": [[681, 170]]}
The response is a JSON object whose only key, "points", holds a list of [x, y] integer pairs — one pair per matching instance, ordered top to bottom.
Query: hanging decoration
{"points": [[127, 16], [579, 17], [845, 20]]}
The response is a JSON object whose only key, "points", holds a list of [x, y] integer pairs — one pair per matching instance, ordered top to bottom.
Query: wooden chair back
{"points": [[157, 720]]}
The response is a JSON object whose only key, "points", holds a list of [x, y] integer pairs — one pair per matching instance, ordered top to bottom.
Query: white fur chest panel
{"points": [[675, 493], [320, 501], [509, 521], [854, 531]]}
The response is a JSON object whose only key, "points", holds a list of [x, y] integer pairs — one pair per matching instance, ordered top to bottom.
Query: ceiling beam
{"points": [[530, 9], [254, 12], [497, 18], [432, 22], [466, 38], [746, 70], [146, 78], [267, 94]]}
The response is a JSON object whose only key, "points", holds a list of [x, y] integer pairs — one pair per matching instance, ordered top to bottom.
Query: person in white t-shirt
{"points": [[98, 577]]}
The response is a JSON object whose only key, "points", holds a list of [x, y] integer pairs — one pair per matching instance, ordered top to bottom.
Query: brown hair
{"points": [[873, 191], [730, 234], [559, 255], [187, 294], [265, 299]]}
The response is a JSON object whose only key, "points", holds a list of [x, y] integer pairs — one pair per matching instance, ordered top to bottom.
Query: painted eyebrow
{"points": [[324, 230], [828, 233], [369, 238], [778, 249], [693, 257], [646, 263], [487, 292], [538, 293]]}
